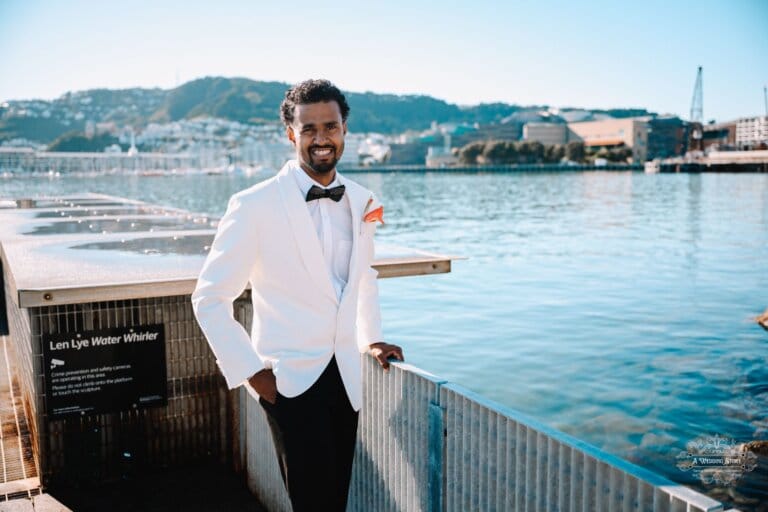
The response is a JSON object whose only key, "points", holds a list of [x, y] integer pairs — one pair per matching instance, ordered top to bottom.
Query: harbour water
{"points": [[616, 306]]}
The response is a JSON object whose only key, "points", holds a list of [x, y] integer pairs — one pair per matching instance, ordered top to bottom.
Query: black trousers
{"points": [[314, 435]]}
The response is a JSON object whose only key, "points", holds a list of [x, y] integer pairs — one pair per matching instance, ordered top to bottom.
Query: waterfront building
{"points": [[573, 115], [528, 116], [500, 131], [631, 132], [752, 132], [547, 133], [719, 136], [667, 137], [218, 142], [352, 144], [375, 149], [270, 151], [408, 153], [440, 156], [14, 159], [17, 160]]}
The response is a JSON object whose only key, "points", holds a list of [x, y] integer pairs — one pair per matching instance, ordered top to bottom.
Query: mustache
{"points": [[322, 147]]}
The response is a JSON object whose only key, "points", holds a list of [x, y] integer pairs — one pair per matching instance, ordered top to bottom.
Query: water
{"points": [[618, 307]]}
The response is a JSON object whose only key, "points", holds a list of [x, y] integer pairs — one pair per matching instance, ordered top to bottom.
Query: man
{"points": [[304, 241]]}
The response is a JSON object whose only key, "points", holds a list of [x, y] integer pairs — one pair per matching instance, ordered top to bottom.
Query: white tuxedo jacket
{"points": [[267, 238]]}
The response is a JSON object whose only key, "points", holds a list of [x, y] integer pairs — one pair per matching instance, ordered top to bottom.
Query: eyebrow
{"points": [[312, 125]]}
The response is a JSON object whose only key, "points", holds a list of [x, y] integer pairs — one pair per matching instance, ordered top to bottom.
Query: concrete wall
{"points": [[631, 132], [546, 133]]}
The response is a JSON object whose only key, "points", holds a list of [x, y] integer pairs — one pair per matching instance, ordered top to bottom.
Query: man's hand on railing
{"points": [[383, 351], [264, 384]]}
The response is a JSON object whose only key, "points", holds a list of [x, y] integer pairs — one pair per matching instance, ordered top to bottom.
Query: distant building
{"points": [[573, 115], [528, 116], [449, 128], [507, 131], [631, 132], [751, 132], [546, 133], [719, 136], [667, 137], [364, 149], [376, 149], [267, 151], [409, 153], [351, 155], [439, 156], [24, 160]]}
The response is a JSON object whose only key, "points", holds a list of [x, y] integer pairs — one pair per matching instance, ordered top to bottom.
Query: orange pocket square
{"points": [[375, 215]]}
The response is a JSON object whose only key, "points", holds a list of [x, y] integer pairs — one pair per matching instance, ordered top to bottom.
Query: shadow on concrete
{"points": [[198, 488]]}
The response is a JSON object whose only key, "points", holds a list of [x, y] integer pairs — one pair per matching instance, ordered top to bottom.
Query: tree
{"points": [[76, 141], [574, 151], [495, 152], [510, 152], [535, 152], [554, 153], [468, 154], [620, 154]]}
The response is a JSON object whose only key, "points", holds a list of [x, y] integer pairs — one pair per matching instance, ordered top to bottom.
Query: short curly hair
{"points": [[311, 91]]}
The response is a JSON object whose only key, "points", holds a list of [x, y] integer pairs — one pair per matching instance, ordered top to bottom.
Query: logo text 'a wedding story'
{"points": [[716, 459]]}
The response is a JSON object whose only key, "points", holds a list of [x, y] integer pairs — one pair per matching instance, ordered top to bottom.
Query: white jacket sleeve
{"points": [[222, 279], [368, 310]]}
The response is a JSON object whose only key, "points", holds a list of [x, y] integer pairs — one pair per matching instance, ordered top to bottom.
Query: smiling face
{"points": [[317, 132]]}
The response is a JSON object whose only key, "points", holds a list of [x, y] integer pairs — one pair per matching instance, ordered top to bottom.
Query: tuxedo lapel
{"points": [[358, 198], [304, 230]]}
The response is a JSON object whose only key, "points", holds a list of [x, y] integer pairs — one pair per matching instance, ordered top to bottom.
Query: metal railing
{"points": [[426, 444]]}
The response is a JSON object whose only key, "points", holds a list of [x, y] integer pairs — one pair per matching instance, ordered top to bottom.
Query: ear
{"points": [[344, 126], [290, 134]]}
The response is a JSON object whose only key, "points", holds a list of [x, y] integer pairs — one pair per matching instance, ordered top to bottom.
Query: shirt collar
{"points": [[304, 181]]}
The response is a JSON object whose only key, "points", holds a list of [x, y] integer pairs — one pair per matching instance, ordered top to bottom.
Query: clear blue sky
{"points": [[596, 54]]}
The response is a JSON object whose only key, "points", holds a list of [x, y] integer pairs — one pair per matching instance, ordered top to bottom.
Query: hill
{"points": [[235, 99]]}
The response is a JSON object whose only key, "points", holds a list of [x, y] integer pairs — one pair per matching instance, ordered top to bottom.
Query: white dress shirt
{"points": [[333, 224]]}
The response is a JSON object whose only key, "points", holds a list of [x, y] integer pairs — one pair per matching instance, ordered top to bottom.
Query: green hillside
{"points": [[235, 99]]}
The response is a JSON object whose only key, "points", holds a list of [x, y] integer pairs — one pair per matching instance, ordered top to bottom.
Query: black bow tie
{"points": [[335, 193]]}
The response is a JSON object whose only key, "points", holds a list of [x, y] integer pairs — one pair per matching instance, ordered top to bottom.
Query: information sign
{"points": [[104, 370]]}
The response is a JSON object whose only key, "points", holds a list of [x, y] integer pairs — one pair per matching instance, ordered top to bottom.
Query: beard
{"points": [[324, 166]]}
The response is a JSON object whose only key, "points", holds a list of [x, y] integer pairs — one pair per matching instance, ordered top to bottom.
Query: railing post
{"points": [[436, 450]]}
